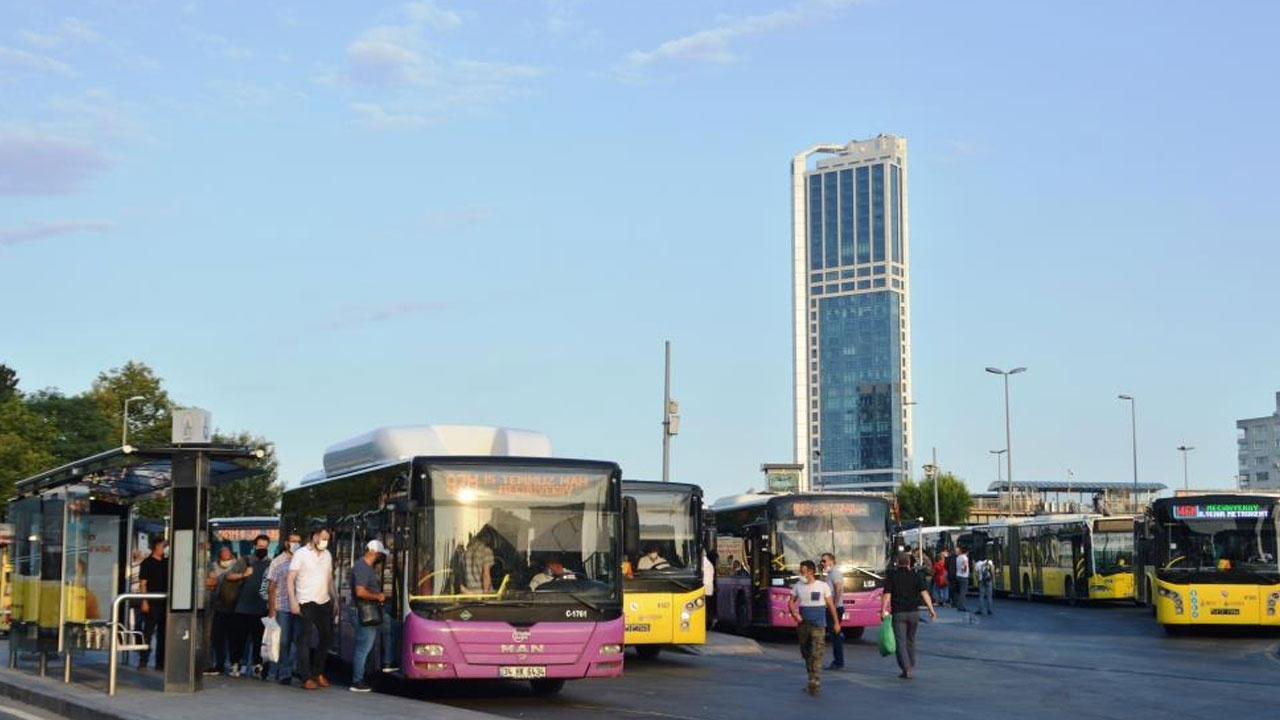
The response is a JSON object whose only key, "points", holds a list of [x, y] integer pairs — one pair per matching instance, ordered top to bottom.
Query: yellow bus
{"points": [[1067, 557], [1214, 559], [663, 597]]}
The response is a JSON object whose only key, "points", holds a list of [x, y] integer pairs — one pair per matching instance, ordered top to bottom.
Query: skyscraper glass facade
{"points": [[853, 412]]}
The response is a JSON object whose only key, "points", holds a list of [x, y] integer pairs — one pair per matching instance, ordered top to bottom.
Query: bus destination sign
{"points": [[524, 484], [822, 509], [1220, 511]]}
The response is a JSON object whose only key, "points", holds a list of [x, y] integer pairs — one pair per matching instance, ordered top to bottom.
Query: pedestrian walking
{"points": [[986, 572], [153, 577], [962, 578], [835, 579], [903, 593], [311, 597], [370, 602], [809, 604], [250, 608], [278, 609]]}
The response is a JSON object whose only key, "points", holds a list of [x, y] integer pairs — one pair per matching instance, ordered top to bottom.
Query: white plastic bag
{"points": [[270, 640]]}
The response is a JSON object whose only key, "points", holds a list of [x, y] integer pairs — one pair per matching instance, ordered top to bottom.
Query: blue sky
{"points": [[317, 218]]}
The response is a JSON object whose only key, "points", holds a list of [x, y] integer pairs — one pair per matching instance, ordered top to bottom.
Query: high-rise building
{"points": [[852, 320], [1259, 449]]}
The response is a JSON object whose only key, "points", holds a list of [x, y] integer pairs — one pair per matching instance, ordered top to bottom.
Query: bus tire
{"points": [[1026, 588], [1069, 590], [741, 614], [853, 634], [648, 652], [546, 686]]}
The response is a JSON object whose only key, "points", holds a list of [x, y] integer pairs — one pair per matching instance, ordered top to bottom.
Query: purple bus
{"points": [[761, 538], [504, 562]]}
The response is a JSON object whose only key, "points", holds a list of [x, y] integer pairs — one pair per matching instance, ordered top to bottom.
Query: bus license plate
{"points": [[522, 672]]}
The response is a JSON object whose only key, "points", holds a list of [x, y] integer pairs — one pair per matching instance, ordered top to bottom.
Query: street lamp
{"points": [[124, 425], [1133, 426], [1008, 436], [1185, 449], [998, 453]]}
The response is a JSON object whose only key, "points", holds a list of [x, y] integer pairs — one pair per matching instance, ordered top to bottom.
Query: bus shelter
{"points": [[75, 536]]}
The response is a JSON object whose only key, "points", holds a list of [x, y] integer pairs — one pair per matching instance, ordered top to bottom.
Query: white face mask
{"points": [[321, 545], [293, 547], [226, 563]]}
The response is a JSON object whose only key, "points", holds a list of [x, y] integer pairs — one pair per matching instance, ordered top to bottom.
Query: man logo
{"points": [[520, 636]]}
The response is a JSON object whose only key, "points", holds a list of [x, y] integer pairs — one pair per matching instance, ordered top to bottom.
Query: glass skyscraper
{"points": [[852, 320]]}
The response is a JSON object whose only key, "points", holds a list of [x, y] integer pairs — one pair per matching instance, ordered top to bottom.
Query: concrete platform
{"points": [[724, 644], [140, 696]]}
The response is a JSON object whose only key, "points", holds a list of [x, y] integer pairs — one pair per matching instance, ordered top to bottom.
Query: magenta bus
{"points": [[761, 539], [504, 562]]}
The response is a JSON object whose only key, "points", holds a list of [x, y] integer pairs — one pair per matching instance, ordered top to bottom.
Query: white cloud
{"points": [[69, 31], [714, 46], [13, 60], [403, 78], [34, 164], [40, 230]]}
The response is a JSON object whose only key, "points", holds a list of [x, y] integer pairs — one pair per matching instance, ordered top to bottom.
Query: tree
{"points": [[8, 383], [149, 417], [79, 427], [24, 445], [257, 495], [916, 500]]}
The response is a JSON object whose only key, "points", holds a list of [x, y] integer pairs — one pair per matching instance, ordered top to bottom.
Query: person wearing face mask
{"points": [[311, 597], [251, 607], [278, 608], [217, 617]]}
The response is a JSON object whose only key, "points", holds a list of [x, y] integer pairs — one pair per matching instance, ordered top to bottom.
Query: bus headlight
{"points": [[1174, 596], [1272, 600], [694, 604], [610, 649], [428, 650]]}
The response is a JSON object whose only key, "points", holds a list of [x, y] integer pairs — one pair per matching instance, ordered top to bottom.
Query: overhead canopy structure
{"points": [[128, 473], [1061, 486]]}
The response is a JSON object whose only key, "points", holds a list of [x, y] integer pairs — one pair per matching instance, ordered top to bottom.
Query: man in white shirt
{"points": [[962, 578], [310, 581], [809, 604]]}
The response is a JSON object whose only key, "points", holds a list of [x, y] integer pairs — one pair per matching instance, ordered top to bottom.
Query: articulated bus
{"points": [[238, 533], [762, 538], [931, 538], [1069, 557], [1211, 559], [503, 561], [665, 601]]}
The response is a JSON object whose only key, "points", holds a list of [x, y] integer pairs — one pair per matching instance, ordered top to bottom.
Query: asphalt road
{"points": [[1043, 658]]}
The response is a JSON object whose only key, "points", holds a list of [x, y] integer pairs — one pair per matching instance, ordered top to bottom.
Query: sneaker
{"points": [[834, 666], [389, 668], [211, 670], [234, 671], [260, 671], [322, 681], [361, 686]]}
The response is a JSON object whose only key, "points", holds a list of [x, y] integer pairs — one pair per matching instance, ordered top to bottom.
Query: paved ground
{"points": [[1040, 658]]}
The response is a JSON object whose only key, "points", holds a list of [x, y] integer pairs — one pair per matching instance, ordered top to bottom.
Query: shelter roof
{"points": [[129, 473], [1076, 486]]}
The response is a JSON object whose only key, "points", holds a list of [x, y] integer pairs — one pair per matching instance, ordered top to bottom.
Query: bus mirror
{"points": [[630, 527]]}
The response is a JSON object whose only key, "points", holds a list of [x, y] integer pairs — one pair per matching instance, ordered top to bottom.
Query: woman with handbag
{"points": [[372, 617]]}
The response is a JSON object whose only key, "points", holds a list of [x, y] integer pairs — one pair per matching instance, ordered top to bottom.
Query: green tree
{"points": [[8, 383], [149, 423], [79, 427], [25, 444], [257, 495], [916, 500]]}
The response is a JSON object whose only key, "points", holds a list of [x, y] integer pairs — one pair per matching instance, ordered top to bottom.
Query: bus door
{"points": [[760, 559], [1080, 567]]}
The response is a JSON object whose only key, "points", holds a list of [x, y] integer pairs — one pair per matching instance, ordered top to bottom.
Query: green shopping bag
{"points": [[888, 643]]}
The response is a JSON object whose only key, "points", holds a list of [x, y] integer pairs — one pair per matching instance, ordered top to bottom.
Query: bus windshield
{"points": [[668, 526], [851, 529], [526, 533], [1220, 538], [1113, 551]]}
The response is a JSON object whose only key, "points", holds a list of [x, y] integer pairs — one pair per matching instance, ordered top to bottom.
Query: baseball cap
{"points": [[376, 546]]}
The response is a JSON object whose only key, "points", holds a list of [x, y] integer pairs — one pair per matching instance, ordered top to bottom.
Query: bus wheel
{"points": [[1026, 588], [1070, 592], [741, 614], [853, 634], [648, 652], [547, 686]]}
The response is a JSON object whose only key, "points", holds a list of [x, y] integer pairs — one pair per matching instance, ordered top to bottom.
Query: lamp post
{"points": [[124, 424], [1133, 429], [1008, 436], [1185, 449], [998, 453]]}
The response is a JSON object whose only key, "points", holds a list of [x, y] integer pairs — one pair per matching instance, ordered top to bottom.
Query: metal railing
{"points": [[119, 633]]}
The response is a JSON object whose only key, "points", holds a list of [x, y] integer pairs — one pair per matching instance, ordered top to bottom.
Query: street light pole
{"points": [[124, 424], [1133, 428], [1008, 435], [1185, 449], [998, 453]]}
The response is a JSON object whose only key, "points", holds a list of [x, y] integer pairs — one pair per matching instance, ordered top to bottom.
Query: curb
{"points": [[46, 694]]}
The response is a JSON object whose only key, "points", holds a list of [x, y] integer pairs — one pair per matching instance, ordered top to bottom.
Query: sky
{"points": [[317, 218]]}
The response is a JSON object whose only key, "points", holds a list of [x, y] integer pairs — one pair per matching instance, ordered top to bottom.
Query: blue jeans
{"points": [[961, 591], [984, 596], [365, 635], [836, 639], [283, 669]]}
